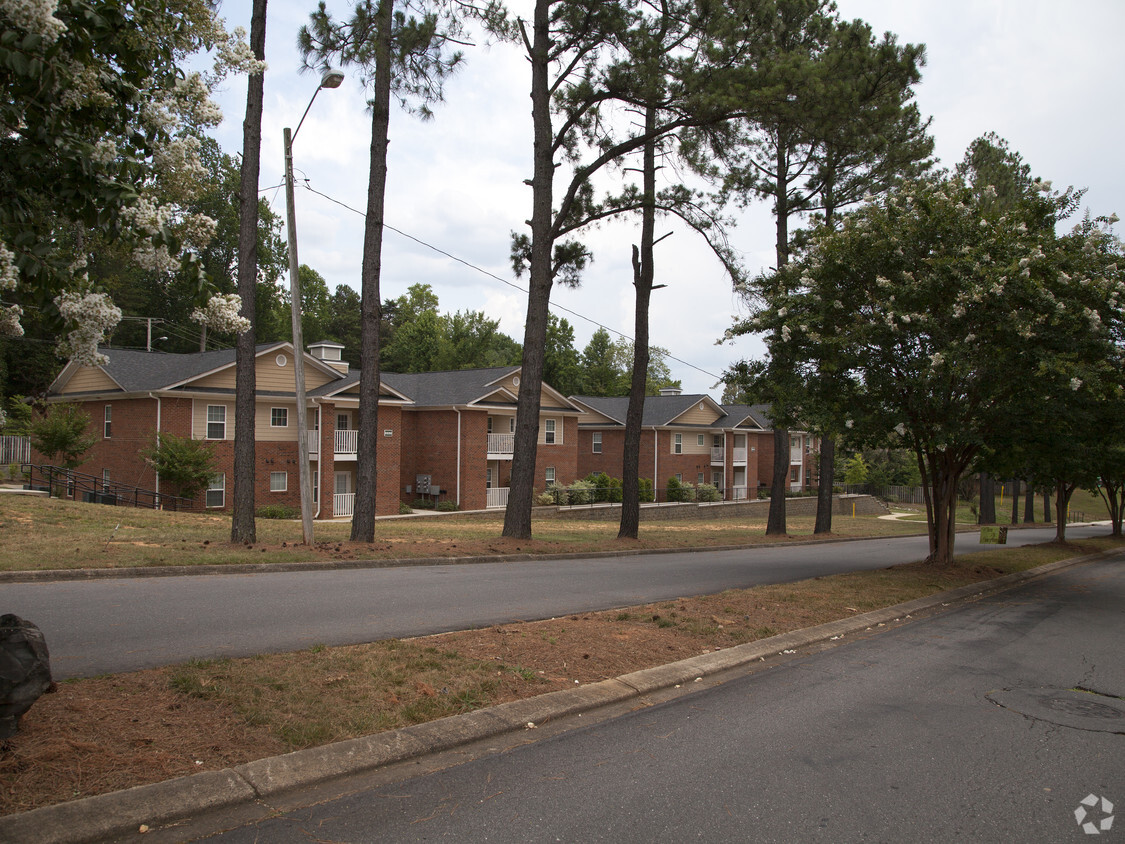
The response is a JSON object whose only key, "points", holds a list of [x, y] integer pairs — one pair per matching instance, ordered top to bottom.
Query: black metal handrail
{"points": [[68, 483]]}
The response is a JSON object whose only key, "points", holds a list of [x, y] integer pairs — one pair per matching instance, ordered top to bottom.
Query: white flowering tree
{"points": [[99, 126], [948, 314]]}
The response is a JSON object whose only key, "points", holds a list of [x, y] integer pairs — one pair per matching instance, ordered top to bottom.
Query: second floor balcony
{"points": [[501, 446]]}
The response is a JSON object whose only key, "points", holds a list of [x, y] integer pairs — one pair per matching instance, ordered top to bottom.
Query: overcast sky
{"points": [[1045, 75]]}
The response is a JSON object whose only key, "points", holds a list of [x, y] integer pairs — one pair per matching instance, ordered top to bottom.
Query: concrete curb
{"points": [[123, 812]]}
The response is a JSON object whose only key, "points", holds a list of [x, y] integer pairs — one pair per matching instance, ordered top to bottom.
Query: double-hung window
{"points": [[279, 417], [108, 421], [216, 422], [549, 431], [597, 442], [677, 443], [279, 481], [216, 492]]}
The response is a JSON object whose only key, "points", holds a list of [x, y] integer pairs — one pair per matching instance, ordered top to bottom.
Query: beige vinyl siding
{"points": [[89, 379], [222, 380], [544, 396], [695, 416], [199, 418], [594, 418], [558, 430], [265, 432], [691, 442]]}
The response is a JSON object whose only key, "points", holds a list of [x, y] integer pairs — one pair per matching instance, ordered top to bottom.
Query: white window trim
{"points": [[285, 411], [108, 422], [208, 422], [550, 432], [699, 440], [596, 442], [677, 443], [549, 475], [284, 481], [218, 484]]}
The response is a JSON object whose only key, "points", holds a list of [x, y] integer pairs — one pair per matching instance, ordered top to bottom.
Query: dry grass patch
{"points": [[109, 733]]}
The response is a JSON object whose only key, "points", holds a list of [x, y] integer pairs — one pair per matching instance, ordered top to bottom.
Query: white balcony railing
{"points": [[347, 442], [501, 443], [314, 444], [739, 454], [717, 455], [796, 455], [738, 493], [497, 496], [343, 504]]}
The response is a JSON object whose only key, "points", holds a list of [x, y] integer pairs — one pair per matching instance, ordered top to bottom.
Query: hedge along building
{"points": [[433, 426], [694, 439]]}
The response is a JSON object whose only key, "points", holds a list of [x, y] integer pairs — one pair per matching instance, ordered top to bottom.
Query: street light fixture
{"points": [[331, 79]]}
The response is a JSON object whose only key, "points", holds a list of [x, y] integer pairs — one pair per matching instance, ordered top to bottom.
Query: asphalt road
{"points": [[109, 626], [961, 727]]}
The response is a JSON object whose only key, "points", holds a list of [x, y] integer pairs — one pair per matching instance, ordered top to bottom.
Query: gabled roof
{"points": [[137, 371], [658, 410], [662, 411], [736, 414]]}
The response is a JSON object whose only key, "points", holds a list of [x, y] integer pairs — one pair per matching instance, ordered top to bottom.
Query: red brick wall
{"points": [[432, 450]]}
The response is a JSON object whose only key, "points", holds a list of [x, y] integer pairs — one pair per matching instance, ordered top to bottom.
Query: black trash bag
{"points": [[25, 670]]}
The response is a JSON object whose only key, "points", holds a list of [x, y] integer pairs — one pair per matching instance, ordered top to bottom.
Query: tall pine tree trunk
{"points": [[643, 273], [367, 437], [824, 491], [1016, 501], [1029, 503], [1047, 505], [517, 516], [775, 523], [243, 528]]}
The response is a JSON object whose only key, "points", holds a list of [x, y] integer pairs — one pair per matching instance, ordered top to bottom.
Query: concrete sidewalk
{"points": [[123, 813]]}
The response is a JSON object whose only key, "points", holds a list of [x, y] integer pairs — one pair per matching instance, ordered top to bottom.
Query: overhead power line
{"points": [[495, 277]]}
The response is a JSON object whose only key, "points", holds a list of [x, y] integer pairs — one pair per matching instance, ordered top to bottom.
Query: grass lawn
{"points": [[41, 534]]}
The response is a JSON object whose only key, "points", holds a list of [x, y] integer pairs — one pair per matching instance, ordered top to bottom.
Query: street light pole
{"points": [[331, 79]]}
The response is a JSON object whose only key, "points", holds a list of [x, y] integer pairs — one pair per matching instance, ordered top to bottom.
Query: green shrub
{"points": [[185, 464], [645, 490], [677, 490], [581, 492], [706, 492], [558, 494], [545, 499], [423, 504], [446, 506], [404, 509], [277, 511]]}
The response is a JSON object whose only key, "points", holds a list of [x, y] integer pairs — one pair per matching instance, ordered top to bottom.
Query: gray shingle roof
{"points": [[137, 371], [658, 410]]}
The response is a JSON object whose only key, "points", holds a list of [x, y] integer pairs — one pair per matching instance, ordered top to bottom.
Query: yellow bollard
{"points": [[853, 509]]}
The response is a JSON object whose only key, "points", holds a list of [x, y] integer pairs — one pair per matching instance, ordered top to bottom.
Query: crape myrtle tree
{"points": [[402, 49], [828, 120], [99, 140], [934, 302], [1064, 435]]}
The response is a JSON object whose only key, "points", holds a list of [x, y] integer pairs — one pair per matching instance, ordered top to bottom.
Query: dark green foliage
{"points": [[62, 436], [186, 464], [647, 494], [446, 506], [277, 511]]}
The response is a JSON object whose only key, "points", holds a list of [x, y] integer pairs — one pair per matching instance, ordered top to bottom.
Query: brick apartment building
{"points": [[444, 436], [695, 440]]}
